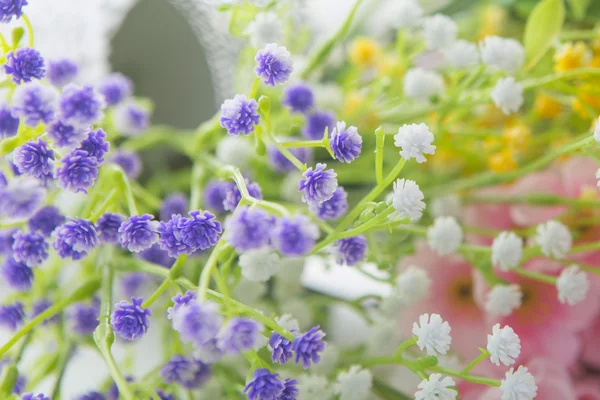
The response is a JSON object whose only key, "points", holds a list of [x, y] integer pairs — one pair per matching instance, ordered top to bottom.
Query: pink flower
{"points": [[590, 355], [588, 389]]}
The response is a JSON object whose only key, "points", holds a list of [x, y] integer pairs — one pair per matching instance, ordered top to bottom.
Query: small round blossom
{"points": [[10, 9], [408, 14], [266, 28], [440, 31], [502, 53], [462, 54], [274, 64], [24, 65], [61, 72], [421, 84], [115, 88], [507, 94], [299, 97], [35, 102], [80, 105], [239, 115], [130, 119], [9, 124], [316, 124], [64, 135], [414, 140], [346, 144], [234, 150], [35, 159], [129, 161], [281, 164], [78, 171], [318, 185], [215, 193], [233, 195], [21, 198], [407, 199], [176, 203], [333, 208], [46, 220], [108, 227], [249, 228], [201, 230], [138, 233], [445, 235], [294, 236], [75, 238], [554, 238], [171, 239], [7, 240], [30, 248], [507, 250], [351, 251], [156, 255], [259, 265], [17, 274], [132, 283], [413, 284], [573, 285], [503, 299], [180, 300], [41, 306], [12, 315], [85, 317], [130, 320], [198, 323], [240, 334], [433, 334], [503, 345], [309, 346], [281, 348], [186, 372], [354, 384], [264, 385], [518, 385], [314, 387], [436, 387], [290, 391], [93, 395], [32, 396], [164, 396]]}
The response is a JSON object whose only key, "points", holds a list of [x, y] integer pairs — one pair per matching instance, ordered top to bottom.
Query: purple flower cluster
{"points": [[10, 9], [273, 64], [24, 65], [61, 72], [115, 88], [299, 97], [35, 102], [80, 105], [239, 115], [130, 119], [9, 124], [316, 124], [64, 135], [95, 144], [346, 144], [35, 159], [129, 161], [281, 164], [78, 171], [318, 185], [215, 193], [233, 195], [21, 198], [175, 203], [333, 208], [46, 220], [108, 226], [249, 228], [138, 233], [186, 235], [294, 236], [75, 238], [7, 240], [30, 248], [351, 251], [156, 255], [17, 274], [132, 283], [180, 300], [41, 306], [12, 315], [84, 318], [130, 320], [198, 323], [240, 334], [308, 346], [281, 348], [188, 373], [265, 385], [93, 395], [32, 396]]}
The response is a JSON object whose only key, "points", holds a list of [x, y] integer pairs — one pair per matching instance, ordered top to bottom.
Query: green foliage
{"points": [[579, 8], [241, 15], [542, 28]]}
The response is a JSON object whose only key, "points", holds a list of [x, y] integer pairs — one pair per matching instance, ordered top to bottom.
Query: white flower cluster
{"points": [[407, 14], [266, 28], [439, 31], [461, 54], [504, 54], [421, 84], [507, 94], [414, 141], [407, 199], [445, 235], [554, 238], [507, 251], [259, 265], [412, 285], [573, 285], [502, 300], [433, 334], [503, 345], [354, 384], [518, 385], [435, 388]]}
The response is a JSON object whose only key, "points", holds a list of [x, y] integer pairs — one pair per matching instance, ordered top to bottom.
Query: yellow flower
{"points": [[493, 19], [364, 52], [571, 56], [389, 66], [587, 99], [352, 103], [545, 106], [517, 136], [502, 161]]}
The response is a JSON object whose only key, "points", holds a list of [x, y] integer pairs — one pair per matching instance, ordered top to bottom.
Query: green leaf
{"points": [[579, 7], [241, 15], [543, 26]]}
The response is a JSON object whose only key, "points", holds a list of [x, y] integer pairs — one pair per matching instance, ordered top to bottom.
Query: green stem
{"points": [[29, 29], [579, 35], [544, 80], [254, 88], [303, 143], [379, 145], [287, 154], [196, 189], [145, 196], [110, 198], [131, 206], [582, 248], [208, 269], [538, 276], [157, 293], [405, 345], [484, 354], [62, 366], [466, 377]]}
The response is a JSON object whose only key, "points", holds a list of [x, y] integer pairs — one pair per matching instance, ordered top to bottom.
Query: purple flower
{"points": [[10, 9], [274, 64], [24, 65], [61, 72], [115, 88], [299, 97], [35, 103], [80, 105], [239, 115], [130, 119], [316, 123], [9, 124], [64, 135], [346, 144], [95, 145], [35, 159], [129, 161], [282, 164], [78, 171], [3, 181], [318, 185], [214, 195], [233, 195], [21, 198], [175, 203], [333, 208], [46, 220], [108, 226], [249, 228], [201, 230], [138, 233], [294, 236], [75, 238], [171, 239], [7, 240], [30, 248], [351, 251], [156, 255], [17, 274], [132, 283], [180, 300], [41, 306], [11, 315], [85, 317], [130, 321], [197, 323], [240, 334], [307, 346], [281, 348], [188, 373], [20, 382], [264, 386], [113, 391], [290, 392], [93, 395], [31, 396], [164, 396]]}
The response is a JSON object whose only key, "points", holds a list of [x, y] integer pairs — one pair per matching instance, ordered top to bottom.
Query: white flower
{"points": [[407, 13], [266, 28], [440, 31], [502, 53], [462, 54], [421, 84], [508, 95], [597, 131], [414, 140], [235, 150], [598, 177], [407, 199], [446, 206], [445, 235], [554, 238], [507, 250], [259, 265], [413, 285], [573, 285], [249, 292], [503, 299], [288, 322], [433, 334], [383, 338], [503, 345], [329, 360], [355, 384], [519, 385], [313, 387], [436, 388]]}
